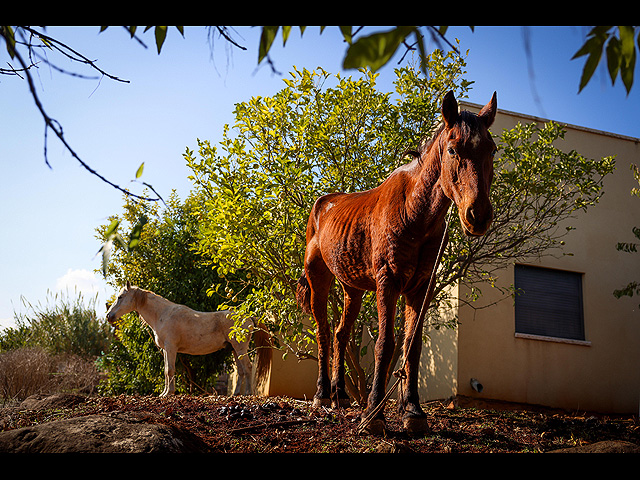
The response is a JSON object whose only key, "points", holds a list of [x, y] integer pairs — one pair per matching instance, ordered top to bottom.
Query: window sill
{"points": [[542, 338]]}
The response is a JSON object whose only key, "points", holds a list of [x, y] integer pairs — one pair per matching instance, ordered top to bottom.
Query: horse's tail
{"points": [[303, 294], [262, 340]]}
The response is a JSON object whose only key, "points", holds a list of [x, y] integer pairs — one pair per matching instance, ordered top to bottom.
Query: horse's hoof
{"points": [[321, 402], [415, 424], [377, 426]]}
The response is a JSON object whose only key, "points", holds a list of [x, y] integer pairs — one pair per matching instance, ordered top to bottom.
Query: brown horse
{"points": [[387, 240]]}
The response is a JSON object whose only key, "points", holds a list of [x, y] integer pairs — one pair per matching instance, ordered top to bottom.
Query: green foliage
{"points": [[160, 33], [618, 43], [372, 51], [620, 52], [164, 262], [64, 325], [134, 364]]}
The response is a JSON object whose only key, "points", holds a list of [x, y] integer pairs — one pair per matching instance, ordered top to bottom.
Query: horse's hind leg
{"points": [[320, 278], [352, 304], [243, 366], [169, 371]]}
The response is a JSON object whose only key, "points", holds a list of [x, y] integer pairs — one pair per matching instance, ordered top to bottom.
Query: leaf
{"points": [[346, 33], [161, 35], [285, 35], [9, 38], [266, 40], [627, 46], [593, 49], [375, 50], [621, 57], [613, 58], [590, 66], [626, 72], [139, 171], [112, 228], [136, 232], [110, 235], [106, 253]]}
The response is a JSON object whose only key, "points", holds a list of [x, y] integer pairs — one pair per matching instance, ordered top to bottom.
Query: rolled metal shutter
{"points": [[549, 302]]}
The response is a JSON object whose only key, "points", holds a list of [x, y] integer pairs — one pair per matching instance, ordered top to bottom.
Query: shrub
{"points": [[65, 325]]}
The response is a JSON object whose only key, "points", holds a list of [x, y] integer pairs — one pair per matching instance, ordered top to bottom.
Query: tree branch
{"points": [[51, 123]]}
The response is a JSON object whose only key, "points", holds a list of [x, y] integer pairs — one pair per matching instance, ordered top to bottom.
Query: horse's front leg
{"points": [[387, 297], [169, 371], [414, 418]]}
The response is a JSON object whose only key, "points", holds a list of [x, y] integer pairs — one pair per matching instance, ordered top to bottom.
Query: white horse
{"points": [[179, 329]]}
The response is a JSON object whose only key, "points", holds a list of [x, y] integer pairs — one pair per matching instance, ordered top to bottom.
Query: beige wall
{"points": [[603, 373], [438, 374], [290, 377]]}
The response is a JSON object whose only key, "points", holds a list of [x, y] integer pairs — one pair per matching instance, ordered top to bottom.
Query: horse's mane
{"points": [[468, 126], [429, 139], [424, 144], [140, 295]]}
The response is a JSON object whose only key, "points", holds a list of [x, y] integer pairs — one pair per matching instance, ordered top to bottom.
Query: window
{"points": [[549, 303]]}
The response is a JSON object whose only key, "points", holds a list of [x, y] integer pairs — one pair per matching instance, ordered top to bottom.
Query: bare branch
{"points": [[51, 123]]}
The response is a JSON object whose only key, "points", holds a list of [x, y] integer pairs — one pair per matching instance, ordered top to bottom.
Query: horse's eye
{"points": [[495, 150], [451, 151]]}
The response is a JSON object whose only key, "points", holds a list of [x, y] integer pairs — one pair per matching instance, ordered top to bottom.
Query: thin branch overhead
{"points": [[34, 58]]}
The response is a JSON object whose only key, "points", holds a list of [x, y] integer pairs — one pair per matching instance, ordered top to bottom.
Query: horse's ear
{"points": [[449, 109], [488, 112], [128, 284]]}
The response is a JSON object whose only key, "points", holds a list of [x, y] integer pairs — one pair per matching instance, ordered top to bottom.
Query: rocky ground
{"points": [[220, 424]]}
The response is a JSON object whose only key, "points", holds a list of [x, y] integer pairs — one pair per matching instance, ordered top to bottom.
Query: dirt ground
{"points": [[283, 425]]}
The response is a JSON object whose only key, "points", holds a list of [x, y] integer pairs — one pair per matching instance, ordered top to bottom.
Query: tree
{"points": [[34, 41], [24, 45], [313, 137], [308, 139], [162, 260]]}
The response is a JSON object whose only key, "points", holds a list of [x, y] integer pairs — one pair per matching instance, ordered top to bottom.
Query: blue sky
{"points": [[48, 216]]}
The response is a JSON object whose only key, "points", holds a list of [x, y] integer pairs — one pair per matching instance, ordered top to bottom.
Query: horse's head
{"points": [[467, 151], [124, 304]]}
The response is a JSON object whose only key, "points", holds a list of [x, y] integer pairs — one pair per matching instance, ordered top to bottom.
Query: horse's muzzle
{"points": [[476, 221], [111, 318]]}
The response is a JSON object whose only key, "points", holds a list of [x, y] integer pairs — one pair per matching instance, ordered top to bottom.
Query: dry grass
{"points": [[29, 371]]}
